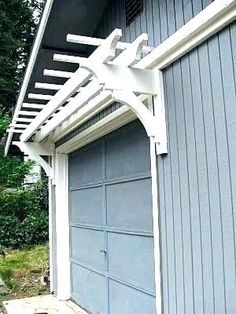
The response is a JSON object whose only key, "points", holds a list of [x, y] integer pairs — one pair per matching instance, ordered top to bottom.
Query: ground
{"points": [[21, 271]]}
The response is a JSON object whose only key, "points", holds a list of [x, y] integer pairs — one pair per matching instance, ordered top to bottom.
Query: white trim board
{"points": [[108, 124], [62, 227]]}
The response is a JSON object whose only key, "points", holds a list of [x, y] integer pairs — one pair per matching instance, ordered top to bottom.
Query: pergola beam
{"points": [[86, 40]]}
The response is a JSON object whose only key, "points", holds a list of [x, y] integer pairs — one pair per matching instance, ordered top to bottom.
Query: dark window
{"points": [[133, 9]]}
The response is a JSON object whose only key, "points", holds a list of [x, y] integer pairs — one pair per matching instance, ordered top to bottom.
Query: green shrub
{"points": [[23, 216]]}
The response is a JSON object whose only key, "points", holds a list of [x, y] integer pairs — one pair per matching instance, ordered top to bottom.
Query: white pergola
{"points": [[111, 73]]}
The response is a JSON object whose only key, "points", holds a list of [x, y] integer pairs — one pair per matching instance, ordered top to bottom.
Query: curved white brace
{"points": [[135, 104], [153, 125], [34, 150]]}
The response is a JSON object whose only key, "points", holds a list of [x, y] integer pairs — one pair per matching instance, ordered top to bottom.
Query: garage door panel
{"points": [[126, 155], [87, 165], [129, 205], [87, 206], [111, 232], [86, 247], [131, 259], [85, 290], [126, 300]]}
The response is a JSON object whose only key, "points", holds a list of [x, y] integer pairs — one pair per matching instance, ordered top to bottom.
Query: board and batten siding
{"points": [[160, 18], [197, 180]]}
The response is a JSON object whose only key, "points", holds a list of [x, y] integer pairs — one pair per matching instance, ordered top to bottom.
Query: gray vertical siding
{"points": [[160, 18], [197, 180]]}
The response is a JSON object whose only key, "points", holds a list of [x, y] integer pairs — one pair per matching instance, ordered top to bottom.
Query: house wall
{"points": [[160, 18], [197, 179]]}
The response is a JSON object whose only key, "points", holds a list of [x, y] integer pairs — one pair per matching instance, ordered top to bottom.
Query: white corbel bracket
{"points": [[154, 125], [35, 152]]}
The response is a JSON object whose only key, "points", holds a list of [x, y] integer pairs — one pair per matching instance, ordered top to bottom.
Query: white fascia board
{"points": [[206, 23], [33, 56]]}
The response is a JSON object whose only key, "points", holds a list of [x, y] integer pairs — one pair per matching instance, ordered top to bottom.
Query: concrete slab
{"points": [[47, 304]]}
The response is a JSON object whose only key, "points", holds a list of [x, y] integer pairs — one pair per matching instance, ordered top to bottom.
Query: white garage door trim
{"points": [[62, 224]]}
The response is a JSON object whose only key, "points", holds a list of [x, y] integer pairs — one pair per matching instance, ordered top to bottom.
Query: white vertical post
{"points": [[159, 112], [50, 214], [62, 227], [156, 229]]}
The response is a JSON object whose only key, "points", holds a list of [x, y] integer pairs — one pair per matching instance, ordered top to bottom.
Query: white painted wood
{"points": [[209, 21], [92, 41], [133, 52], [103, 54], [128, 57], [67, 58], [32, 59], [55, 73], [116, 77], [48, 86], [88, 93], [40, 96], [99, 102], [135, 104], [32, 106], [28, 113], [160, 116], [24, 119], [113, 121], [16, 125], [15, 131], [44, 149], [35, 151], [156, 224], [62, 227], [50, 233]]}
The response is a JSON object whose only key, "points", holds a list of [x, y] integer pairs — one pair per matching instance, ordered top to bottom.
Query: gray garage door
{"points": [[112, 263]]}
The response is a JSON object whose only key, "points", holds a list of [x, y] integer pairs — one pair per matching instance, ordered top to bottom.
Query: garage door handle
{"points": [[103, 251]]}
